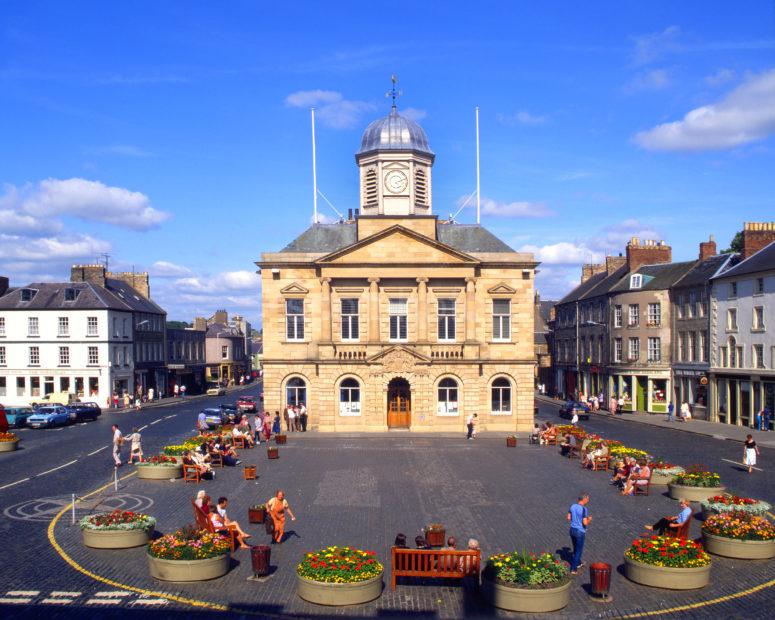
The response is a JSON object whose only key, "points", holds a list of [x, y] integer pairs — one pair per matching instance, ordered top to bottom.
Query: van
{"points": [[57, 398]]}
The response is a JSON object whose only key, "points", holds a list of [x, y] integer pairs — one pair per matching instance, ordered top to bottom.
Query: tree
{"points": [[736, 245], [177, 325]]}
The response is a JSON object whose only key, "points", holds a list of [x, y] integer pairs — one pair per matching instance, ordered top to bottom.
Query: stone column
{"points": [[422, 309], [470, 309], [374, 310], [325, 311]]}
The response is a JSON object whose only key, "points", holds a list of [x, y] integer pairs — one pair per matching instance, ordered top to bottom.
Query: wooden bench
{"points": [[551, 440], [239, 442], [216, 459], [600, 463], [191, 473], [643, 489], [204, 523], [681, 533], [434, 563]]}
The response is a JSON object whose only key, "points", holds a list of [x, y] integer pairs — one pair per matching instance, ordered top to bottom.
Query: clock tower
{"points": [[395, 167]]}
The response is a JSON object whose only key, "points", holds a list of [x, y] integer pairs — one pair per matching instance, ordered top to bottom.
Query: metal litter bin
{"points": [[260, 556], [600, 577]]}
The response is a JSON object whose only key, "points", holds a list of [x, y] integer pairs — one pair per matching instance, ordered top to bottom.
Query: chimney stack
{"points": [[349, 215], [757, 235], [708, 248], [650, 252], [612, 263], [590, 269], [93, 274], [138, 281], [221, 316], [200, 324]]}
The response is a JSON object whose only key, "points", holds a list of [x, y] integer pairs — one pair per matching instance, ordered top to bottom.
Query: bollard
{"points": [[115, 478], [73, 505]]}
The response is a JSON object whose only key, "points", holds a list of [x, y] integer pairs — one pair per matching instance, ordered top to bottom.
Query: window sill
{"points": [[732, 330], [758, 330], [33, 335], [63, 335], [92, 335], [501, 342], [33, 365], [63, 366], [501, 413]]}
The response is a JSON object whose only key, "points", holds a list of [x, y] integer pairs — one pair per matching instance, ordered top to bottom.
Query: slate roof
{"points": [[327, 238], [763, 260], [702, 271], [663, 276], [598, 284], [51, 296], [540, 320], [219, 329], [257, 347]]}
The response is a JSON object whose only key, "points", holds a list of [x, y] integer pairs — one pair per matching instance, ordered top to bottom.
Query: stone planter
{"points": [[280, 439], [511, 442], [9, 446], [272, 453], [159, 472], [249, 472], [661, 477], [693, 494], [256, 515], [436, 537], [116, 539], [741, 549], [189, 570], [666, 577], [336, 594], [526, 600]]}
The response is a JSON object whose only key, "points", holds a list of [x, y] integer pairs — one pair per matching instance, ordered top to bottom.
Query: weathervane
{"points": [[393, 93]]}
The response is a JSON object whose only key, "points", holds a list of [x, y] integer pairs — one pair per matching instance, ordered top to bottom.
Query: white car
{"points": [[216, 391]]}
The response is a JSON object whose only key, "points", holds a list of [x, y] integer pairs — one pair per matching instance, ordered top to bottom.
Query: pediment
{"points": [[398, 245], [294, 289], [501, 289], [397, 355]]}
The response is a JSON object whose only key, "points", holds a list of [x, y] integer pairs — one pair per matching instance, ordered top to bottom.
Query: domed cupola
{"points": [[394, 133]]}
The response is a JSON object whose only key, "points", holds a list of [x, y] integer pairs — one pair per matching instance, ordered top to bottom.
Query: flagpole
{"points": [[314, 173], [478, 192]]}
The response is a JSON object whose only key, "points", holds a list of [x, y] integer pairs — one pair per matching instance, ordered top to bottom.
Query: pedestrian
{"points": [[176, 390], [182, 391], [150, 395], [115, 400], [127, 400], [137, 402], [612, 405], [620, 405], [670, 412], [686, 412], [303, 417], [286, 418], [291, 419], [575, 419], [766, 419], [475, 420], [757, 421], [201, 423], [276, 423], [470, 426], [255, 427], [267, 427], [118, 440], [136, 447], [750, 452], [277, 507], [579, 519]]}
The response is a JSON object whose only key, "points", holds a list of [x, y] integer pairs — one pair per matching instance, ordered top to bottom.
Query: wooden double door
{"points": [[399, 414]]}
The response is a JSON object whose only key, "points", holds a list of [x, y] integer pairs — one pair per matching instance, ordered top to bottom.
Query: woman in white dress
{"points": [[750, 453]]}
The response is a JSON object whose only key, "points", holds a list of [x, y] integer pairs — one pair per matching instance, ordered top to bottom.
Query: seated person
{"points": [[241, 431], [549, 433], [535, 436], [568, 443], [584, 448], [600, 451], [228, 453], [197, 460], [622, 472], [641, 478], [200, 502], [221, 509], [668, 524], [219, 526], [400, 541], [421, 543], [451, 544]]}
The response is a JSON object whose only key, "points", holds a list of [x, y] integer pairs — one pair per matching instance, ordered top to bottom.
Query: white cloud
{"points": [[653, 46], [722, 76], [657, 79], [331, 108], [415, 114], [745, 115], [520, 117], [508, 209], [323, 218], [12, 222], [614, 237], [14, 247], [563, 253], [165, 269], [226, 281]]}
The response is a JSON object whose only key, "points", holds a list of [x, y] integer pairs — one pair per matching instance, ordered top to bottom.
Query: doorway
{"points": [[399, 413]]}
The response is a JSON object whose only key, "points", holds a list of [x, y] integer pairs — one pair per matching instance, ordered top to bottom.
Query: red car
{"points": [[246, 404]]}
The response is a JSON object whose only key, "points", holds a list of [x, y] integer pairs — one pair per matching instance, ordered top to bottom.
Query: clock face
{"points": [[396, 181]]}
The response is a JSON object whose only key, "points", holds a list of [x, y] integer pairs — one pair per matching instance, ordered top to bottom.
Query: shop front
{"points": [[691, 387], [641, 392], [737, 398]]}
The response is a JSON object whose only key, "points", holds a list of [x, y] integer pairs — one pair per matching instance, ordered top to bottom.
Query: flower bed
{"points": [[565, 429], [8, 442], [620, 451], [160, 467], [664, 473], [696, 485], [732, 503], [119, 529], [739, 535], [189, 555], [665, 562], [339, 576], [526, 582]]}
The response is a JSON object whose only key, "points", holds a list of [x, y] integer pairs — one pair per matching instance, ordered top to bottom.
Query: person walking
{"points": [[176, 390], [182, 391], [150, 395], [620, 405], [670, 412], [686, 413], [766, 414], [303, 417], [575, 419], [201, 423], [276, 423], [470, 426], [255, 427], [118, 440], [136, 447], [750, 452], [277, 507], [579, 519]]}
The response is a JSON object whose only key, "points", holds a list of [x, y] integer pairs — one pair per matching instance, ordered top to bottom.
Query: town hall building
{"points": [[394, 319]]}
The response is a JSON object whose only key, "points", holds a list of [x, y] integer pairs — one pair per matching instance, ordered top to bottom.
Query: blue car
{"points": [[84, 411], [17, 416], [48, 416]]}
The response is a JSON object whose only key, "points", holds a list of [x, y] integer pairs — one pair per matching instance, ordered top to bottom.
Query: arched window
{"points": [[370, 188], [296, 392], [501, 396], [349, 397], [448, 397]]}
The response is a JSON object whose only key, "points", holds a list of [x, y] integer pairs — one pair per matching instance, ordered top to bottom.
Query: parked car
{"points": [[216, 390], [56, 398], [246, 404], [567, 410], [84, 411], [230, 412], [49, 415], [17, 416], [215, 417], [3, 420]]}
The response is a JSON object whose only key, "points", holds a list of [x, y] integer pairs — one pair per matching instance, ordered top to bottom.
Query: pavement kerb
{"points": [[226, 608]]}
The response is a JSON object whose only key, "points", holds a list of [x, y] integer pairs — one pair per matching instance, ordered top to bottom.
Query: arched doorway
{"points": [[399, 414]]}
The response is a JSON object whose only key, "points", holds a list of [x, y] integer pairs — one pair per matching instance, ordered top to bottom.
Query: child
{"points": [[136, 451]]}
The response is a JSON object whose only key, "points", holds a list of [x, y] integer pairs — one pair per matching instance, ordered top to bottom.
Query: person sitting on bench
{"points": [[567, 444], [641, 478], [665, 524]]}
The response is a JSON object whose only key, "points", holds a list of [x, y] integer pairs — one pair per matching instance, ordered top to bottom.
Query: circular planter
{"points": [[9, 446], [159, 472], [661, 477], [693, 494], [761, 510], [115, 539], [741, 549], [189, 570], [666, 577], [336, 594], [524, 599]]}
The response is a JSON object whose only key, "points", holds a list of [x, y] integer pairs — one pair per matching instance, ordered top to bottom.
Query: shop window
{"points": [[296, 392]]}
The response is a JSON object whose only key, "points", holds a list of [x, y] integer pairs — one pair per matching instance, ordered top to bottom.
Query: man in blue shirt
{"points": [[670, 412], [579, 519], [672, 523]]}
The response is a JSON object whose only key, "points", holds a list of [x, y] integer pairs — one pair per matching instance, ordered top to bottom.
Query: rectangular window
{"points": [[636, 280], [759, 288], [732, 290], [692, 304], [679, 306], [397, 311], [655, 314], [617, 316], [633, 317], [758, 317], [294, 319], [446, 319], [501, 319], [732, 319], [91, 325], [2, 326], [63, 326], [115, 327], [33, 329], [350, 329], [124, 333], [682, 346], [692, 348], [703, 348], [634, 349], [655, 349], [618, 350], [224, 352], [2, 356], [34, 356], [64, 356], [94, 356], [758, 356], [740, 358], [21, 386], [34, 386]]}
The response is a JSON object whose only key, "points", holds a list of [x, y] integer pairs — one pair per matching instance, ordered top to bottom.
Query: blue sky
{"points": [[175, 136]]}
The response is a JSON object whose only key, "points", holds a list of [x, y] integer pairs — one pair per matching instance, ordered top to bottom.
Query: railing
{"points": [[447, 352]]}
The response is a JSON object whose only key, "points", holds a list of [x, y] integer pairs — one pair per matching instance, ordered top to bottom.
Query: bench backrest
{"points": [[202, 521], [682, 533], [434, 562]]}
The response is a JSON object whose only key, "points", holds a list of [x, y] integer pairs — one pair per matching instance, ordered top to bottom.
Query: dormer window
{"points": [[636, 280], [28, 294], [71, 294]]}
